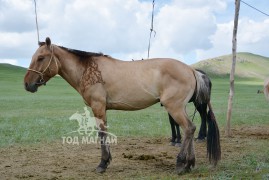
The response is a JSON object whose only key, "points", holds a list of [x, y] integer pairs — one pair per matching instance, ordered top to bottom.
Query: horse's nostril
{"points": [[26, 85]]}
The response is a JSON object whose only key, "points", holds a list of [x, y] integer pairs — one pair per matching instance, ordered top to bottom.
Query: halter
{"points": [[42, 81]]}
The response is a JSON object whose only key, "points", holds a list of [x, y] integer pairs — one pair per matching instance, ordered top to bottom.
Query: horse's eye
{"points": [[40, 58]]}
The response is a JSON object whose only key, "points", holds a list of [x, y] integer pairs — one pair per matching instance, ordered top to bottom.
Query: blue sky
{"points": [[190, 30]]}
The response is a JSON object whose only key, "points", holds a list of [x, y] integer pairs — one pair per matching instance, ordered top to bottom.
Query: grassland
{"points": [[43, 117]]}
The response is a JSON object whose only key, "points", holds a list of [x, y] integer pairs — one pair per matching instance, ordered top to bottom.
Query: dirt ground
{"points": [[132, 158]]}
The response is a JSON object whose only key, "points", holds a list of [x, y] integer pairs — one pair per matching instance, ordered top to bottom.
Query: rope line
{"points": [[255, 8], [36, 23], [151, 28]]}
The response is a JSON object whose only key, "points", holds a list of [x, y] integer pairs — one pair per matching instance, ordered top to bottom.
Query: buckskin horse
{"points": [[106, 83]]}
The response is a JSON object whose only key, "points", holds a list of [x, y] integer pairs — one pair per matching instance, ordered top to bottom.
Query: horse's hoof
{"points": [[172, 143], [178, 144], [190, 164], [100, 169], [180, 169], [187, 170]]}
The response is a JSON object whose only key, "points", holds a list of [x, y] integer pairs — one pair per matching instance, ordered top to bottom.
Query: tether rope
{"points": [[254, 8], [36, 24], [151, 28]]}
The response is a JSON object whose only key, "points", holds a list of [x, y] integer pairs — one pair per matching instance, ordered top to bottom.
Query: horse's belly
{"points": [[131, 104]]}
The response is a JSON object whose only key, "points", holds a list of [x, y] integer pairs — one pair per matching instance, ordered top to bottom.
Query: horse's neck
{"points": [[70, 69]]}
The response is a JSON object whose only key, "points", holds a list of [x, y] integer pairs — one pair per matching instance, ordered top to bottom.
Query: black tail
{"points": [[203, 95], [213, 138]]}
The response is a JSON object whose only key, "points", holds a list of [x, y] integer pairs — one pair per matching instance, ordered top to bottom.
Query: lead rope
{"points": [[36, 24], [151, 28], [195, 110]]}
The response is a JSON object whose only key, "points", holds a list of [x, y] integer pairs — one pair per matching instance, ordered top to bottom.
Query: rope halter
{"points": [[42, 81]]}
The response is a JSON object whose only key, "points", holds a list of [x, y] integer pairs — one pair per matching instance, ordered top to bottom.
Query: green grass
{"points": [[44, 116], [27, 118]]}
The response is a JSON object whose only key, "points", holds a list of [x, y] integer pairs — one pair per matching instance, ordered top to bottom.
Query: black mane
{"points": [[82, 53]]}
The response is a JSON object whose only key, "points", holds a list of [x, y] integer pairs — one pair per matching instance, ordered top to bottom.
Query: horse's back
{"points": [[163, 66], [147, 81]]}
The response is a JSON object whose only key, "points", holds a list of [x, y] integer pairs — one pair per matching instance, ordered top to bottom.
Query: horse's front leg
{"points": [[99, 111], [186, 156]]}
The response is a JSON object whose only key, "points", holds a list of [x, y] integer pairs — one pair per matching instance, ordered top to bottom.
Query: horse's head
{"points": [[43, 67]]}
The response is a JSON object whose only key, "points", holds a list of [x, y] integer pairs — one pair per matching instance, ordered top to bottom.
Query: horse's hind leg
{"points": [[201, 108], [186, 156]]}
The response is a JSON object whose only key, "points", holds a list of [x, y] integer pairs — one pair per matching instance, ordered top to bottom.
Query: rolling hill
{"points": [[247, 66], [9, 68], [11, 72]]}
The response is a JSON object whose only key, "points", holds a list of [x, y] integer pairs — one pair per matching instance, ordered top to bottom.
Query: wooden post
{"points": [[230, 100]]}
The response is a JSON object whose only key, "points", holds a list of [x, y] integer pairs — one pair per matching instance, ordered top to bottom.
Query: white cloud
{"points": [[16, 15], [98, 25], [184, 26], [184, 30], [187, 30], [252, 36], [221, 42], [15, 45], [9, 61]]}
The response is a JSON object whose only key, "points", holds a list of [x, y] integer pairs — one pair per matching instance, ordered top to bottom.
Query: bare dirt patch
{"points": [[259, 132], [132, 158]]}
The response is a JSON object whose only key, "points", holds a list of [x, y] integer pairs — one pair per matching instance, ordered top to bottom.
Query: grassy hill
{"points": [[247, 66], [8, 67], [9, 72]]}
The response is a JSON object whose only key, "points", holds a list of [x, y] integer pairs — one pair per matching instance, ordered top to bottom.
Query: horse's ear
{"points": [[48, 42]]}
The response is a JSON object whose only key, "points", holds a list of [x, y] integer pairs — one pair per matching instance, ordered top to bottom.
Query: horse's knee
{"points": [[102, 126], [190, 129]]}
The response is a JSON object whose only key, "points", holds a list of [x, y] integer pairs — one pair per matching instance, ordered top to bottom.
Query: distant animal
{"points": [[260, 91]]}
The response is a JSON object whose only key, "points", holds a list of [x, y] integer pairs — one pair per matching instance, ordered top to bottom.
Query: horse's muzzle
{"points": [[31, 87]]}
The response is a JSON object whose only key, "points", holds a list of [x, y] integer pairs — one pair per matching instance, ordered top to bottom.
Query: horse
{"points": [[106, 83], [266, 88], [201, 108]]}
